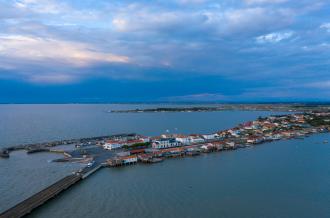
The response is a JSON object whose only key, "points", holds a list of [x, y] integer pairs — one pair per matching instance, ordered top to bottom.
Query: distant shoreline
{"points": [[323, 103], [230, 107]]}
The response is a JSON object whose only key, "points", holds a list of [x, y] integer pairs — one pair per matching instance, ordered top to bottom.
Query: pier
{"points": [[90, 172], [25, 207]]}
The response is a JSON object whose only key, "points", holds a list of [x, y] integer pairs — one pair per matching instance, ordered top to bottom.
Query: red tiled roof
{"points": [[136, 151], [128, 157]]}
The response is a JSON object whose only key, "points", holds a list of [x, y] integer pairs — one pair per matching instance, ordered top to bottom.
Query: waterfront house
{"points": [[254, 140], [218, 145], [229, 145], [208, 147], [173, 152], [129, 159]]}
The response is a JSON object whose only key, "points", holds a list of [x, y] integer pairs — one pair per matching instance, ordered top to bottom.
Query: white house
{"points": [[234, 133], [210, 136], [144, 138], [196, 139], [183, 140], [165, 143], [110, 145], [230, 145]]}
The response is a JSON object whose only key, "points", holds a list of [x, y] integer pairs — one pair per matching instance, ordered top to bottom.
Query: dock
{"points": [[93, 170], [25, 207]]}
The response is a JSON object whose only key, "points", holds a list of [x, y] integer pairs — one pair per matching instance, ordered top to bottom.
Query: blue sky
{"points": [[174, 50]]}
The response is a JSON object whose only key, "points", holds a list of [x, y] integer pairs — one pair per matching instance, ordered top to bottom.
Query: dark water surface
{"points": [[279, 179]]}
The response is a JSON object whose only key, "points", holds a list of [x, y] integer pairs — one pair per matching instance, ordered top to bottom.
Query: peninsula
{"points": [[128, 149]]}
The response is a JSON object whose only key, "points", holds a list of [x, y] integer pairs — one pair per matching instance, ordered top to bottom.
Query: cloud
{"points": [[192, 1], [264, 1], [42, 6], [214, 22], [326, 27], [274, 37], [67, 41], [35, 49], [55, 78], [320, 85], [197, 97]]}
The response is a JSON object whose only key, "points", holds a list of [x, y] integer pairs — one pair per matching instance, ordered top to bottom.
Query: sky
{"points": [[173, 50]]}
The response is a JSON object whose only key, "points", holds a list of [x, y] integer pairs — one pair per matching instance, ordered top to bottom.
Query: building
{"points": [[234, 132], [210, 136], [125, 137], [183, 139], [195, 139], [254, 140], [134, 141], [165, 143], [110, 145], [229, 145], [129, 159]]}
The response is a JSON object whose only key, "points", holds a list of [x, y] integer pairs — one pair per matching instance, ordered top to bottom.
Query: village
{"points": [[126, 149], [131, 149]]}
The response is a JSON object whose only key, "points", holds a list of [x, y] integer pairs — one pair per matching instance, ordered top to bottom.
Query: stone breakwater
{"points": [[45, 146]]}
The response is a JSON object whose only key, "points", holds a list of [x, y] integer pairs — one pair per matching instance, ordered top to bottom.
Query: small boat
{"points": [[325, 142]]}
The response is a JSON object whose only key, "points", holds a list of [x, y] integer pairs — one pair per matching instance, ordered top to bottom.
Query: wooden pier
{"points": [[38, 199]]}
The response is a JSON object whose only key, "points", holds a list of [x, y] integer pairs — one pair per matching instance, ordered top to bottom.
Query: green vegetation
{"points": [[168, 109], [319, 120], [138, 145]]}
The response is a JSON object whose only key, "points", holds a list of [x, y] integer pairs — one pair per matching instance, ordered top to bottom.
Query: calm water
{"points": [[35, 123], [281, 179]]}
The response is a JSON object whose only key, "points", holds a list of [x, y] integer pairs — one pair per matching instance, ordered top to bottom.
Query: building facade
{"points": [[165, 143]]}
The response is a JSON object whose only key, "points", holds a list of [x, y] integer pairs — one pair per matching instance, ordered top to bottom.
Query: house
{"points": [[247, 125], [234, 132], [210, 136], [125, 137], [145, 138], [183, 139], [195, 139], [254, 140], [134, 141], [165, 143], [112, 144], [218, 145], [229, 145], [208, 147], [137, 151], [123, 154], [129, 159]]}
